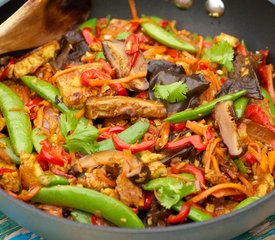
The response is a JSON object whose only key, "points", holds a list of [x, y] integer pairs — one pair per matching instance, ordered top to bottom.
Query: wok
{"points": [[252, 21]]}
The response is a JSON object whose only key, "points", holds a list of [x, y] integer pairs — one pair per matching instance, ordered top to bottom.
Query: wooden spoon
{"points": [[40, 21]]}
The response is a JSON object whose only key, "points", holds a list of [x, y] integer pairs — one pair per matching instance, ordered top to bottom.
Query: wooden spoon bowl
{"points": [[40, 21]]}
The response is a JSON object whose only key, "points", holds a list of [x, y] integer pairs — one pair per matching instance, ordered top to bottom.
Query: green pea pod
{"points": [[90, 23], [166, 38], [46, 91], [270, 101], [240, 106], [203, 110], [17, 120], [131, 135], [37, 137], [7, 147], [240, 165], [53, 180], [159, 182], [90, 201], [246, 202], [194, 214], [82, 217]]}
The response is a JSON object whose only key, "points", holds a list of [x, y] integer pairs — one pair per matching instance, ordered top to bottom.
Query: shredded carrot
{"points": [[133, 9], [173, 27], [200, 45], [154, 50], [184, 59], [268, 74], [99, 83], [80, 113], [195, 127], [164, 136], [209, 152], [221, 152], [255, 153], [271, 160], [264, 162], [215, 164], [179, 177], [104, 178], [246, 183], [209, 191], [225, 192], [28, 195]]}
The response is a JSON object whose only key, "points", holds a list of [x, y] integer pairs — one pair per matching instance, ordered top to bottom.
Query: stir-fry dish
{"points": [[134, 123]]}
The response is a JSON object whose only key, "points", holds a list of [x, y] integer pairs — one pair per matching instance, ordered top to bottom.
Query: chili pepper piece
{"points": [[90, 23], [159, 34], [5, 72], [91, 74], [121, 91], [240, 106], [203, 110], [17, 120], [177, 127], [109, 132], [195, 140], [121, 145], [6, 170], [148, 200], [89, 201], [185, 209]]}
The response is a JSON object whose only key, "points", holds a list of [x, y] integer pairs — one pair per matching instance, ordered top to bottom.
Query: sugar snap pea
{"points": [[46, 91], [270, 101], [203, 110], [17, 120], [37, 137], [7, 147], [53, 180], [90, 201], [246, 202], [82, 217]]}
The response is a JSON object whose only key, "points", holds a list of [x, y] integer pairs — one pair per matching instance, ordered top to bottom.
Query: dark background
{"points": [[251, 20]]}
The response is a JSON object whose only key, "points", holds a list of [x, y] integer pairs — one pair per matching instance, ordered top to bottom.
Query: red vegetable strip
{"points": [[5, 72], [109, 132], [195, 140], [6, 170], [148, 200], [185, 209]]}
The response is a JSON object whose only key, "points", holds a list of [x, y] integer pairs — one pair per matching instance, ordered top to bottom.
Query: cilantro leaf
{"points": [[221, 53], [172, 93], [83, 138], [169, 194]]}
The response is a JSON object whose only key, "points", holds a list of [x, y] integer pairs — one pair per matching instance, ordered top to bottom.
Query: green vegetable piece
{"points": [[90, 23], [123, 35], [166, 38], [221, 53], [99, 55], [46, 91], [172, 93], [270, 101], [240, 106], [203, 110], [17, 120], [131, 135], [37, 138], [83, 138], [7, 147], [240, 165], [53, 180], [170, 190], [90, 201], [246, 202], [195, 214], [82, 217]]}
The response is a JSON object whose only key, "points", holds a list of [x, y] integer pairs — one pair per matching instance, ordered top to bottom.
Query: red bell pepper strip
{"points": [[164, 23], [133, 27], [88, 35], [241, 49], [173, 53], [6, 70], [91, 74], [120, 89], [142, 95], [31, 105], [257, 115], [177, 127], [109, 132], [195, 140], [121, 145], [52, 154], [249, 158], [190, 168], [6, 170], [148, 200], [185, 209]]}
